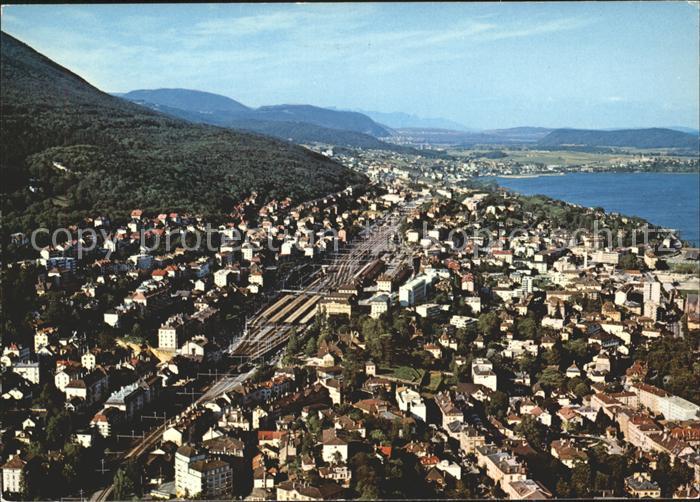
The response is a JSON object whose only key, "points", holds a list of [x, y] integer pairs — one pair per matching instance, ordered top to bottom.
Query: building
{"points": [[384, 283], [414, 291], [652, 291], [337, 304], [378, 305], [428, 310], [171, 333], [88, 360], [28, 370], [482, 373], [92, 388], [130, 399], [659, 401], [411, 402], [449, 412], [106, 420], [468, 436], [335, 449], [502, 467], [13, 475], [197, 475], [640, 485], [527, 489], [291, 490]]}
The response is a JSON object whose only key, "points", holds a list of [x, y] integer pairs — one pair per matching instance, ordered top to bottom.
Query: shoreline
{"points": [[546, 175], [687, 234]]}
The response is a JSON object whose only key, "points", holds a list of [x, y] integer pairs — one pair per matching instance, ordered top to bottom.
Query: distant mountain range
{"points": [[397, 120], [297, 123], [307, 124], [515, 135], [552, 138], [636, 138], [71, 150]]}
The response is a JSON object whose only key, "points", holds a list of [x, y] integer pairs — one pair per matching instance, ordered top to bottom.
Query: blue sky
{"points": [[597, 65]]}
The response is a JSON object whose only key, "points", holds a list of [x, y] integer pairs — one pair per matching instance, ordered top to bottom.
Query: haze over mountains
{"points": [[296, 123], [309, 124], [71, 150]]}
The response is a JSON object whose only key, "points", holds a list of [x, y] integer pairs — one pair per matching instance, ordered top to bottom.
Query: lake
{"points": [[667, 199]]}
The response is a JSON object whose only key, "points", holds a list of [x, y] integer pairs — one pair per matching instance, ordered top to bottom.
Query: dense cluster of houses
{"points": [[481, 306]]}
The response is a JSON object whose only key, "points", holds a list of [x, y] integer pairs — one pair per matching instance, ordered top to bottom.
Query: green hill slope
{"points": [[636, 138], [118, 155]]}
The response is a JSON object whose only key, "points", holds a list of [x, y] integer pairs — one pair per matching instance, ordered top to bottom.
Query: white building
{"points": [[413, 291], [652, 291], [378, 304], [428, 310], [462, 321], [170, 333], [88, 360], [28, 370], [482, 373], [409, 400], [677, 408], [334, 448], [13, 474], [195, 474]]}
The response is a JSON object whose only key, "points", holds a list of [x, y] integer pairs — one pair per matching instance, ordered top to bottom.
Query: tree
{"points": [[629, 262], [489, 323], [527, 328], [293, 344], [310, 348], [352, 370], [551, 378], [498, 404], [58, 428], [533, 430], [581, 479], [123, 485], [563, 489]]}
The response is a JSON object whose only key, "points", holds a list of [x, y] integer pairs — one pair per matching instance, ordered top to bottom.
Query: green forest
{"points": [[72, 151]]}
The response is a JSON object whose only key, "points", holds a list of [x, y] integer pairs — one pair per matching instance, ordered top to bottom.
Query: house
{"points": [[434, 350], [28, 370], [482, 373], [92, 388], [411, 401], [449, 411], [569, 418], [106, 420], [468, 436], [224, 446], [335, 449], [567, 453], [502, 467], [13, 474], [197, 474], [640, 485], [526, 489], [292, 490]]}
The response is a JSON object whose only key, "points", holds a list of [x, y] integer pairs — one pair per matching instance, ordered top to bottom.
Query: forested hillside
{"points": [[636, 138], [72, 150]]}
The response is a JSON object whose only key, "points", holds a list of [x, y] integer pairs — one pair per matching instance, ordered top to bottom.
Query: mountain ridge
{"points": [[189, 99], [653, 137], [121, 155]]}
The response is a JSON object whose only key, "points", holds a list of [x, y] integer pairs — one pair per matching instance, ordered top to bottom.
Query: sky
{"points": [[586, 65]]}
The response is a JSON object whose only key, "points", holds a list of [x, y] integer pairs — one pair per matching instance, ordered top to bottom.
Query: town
{"points": [[421, 336]]}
